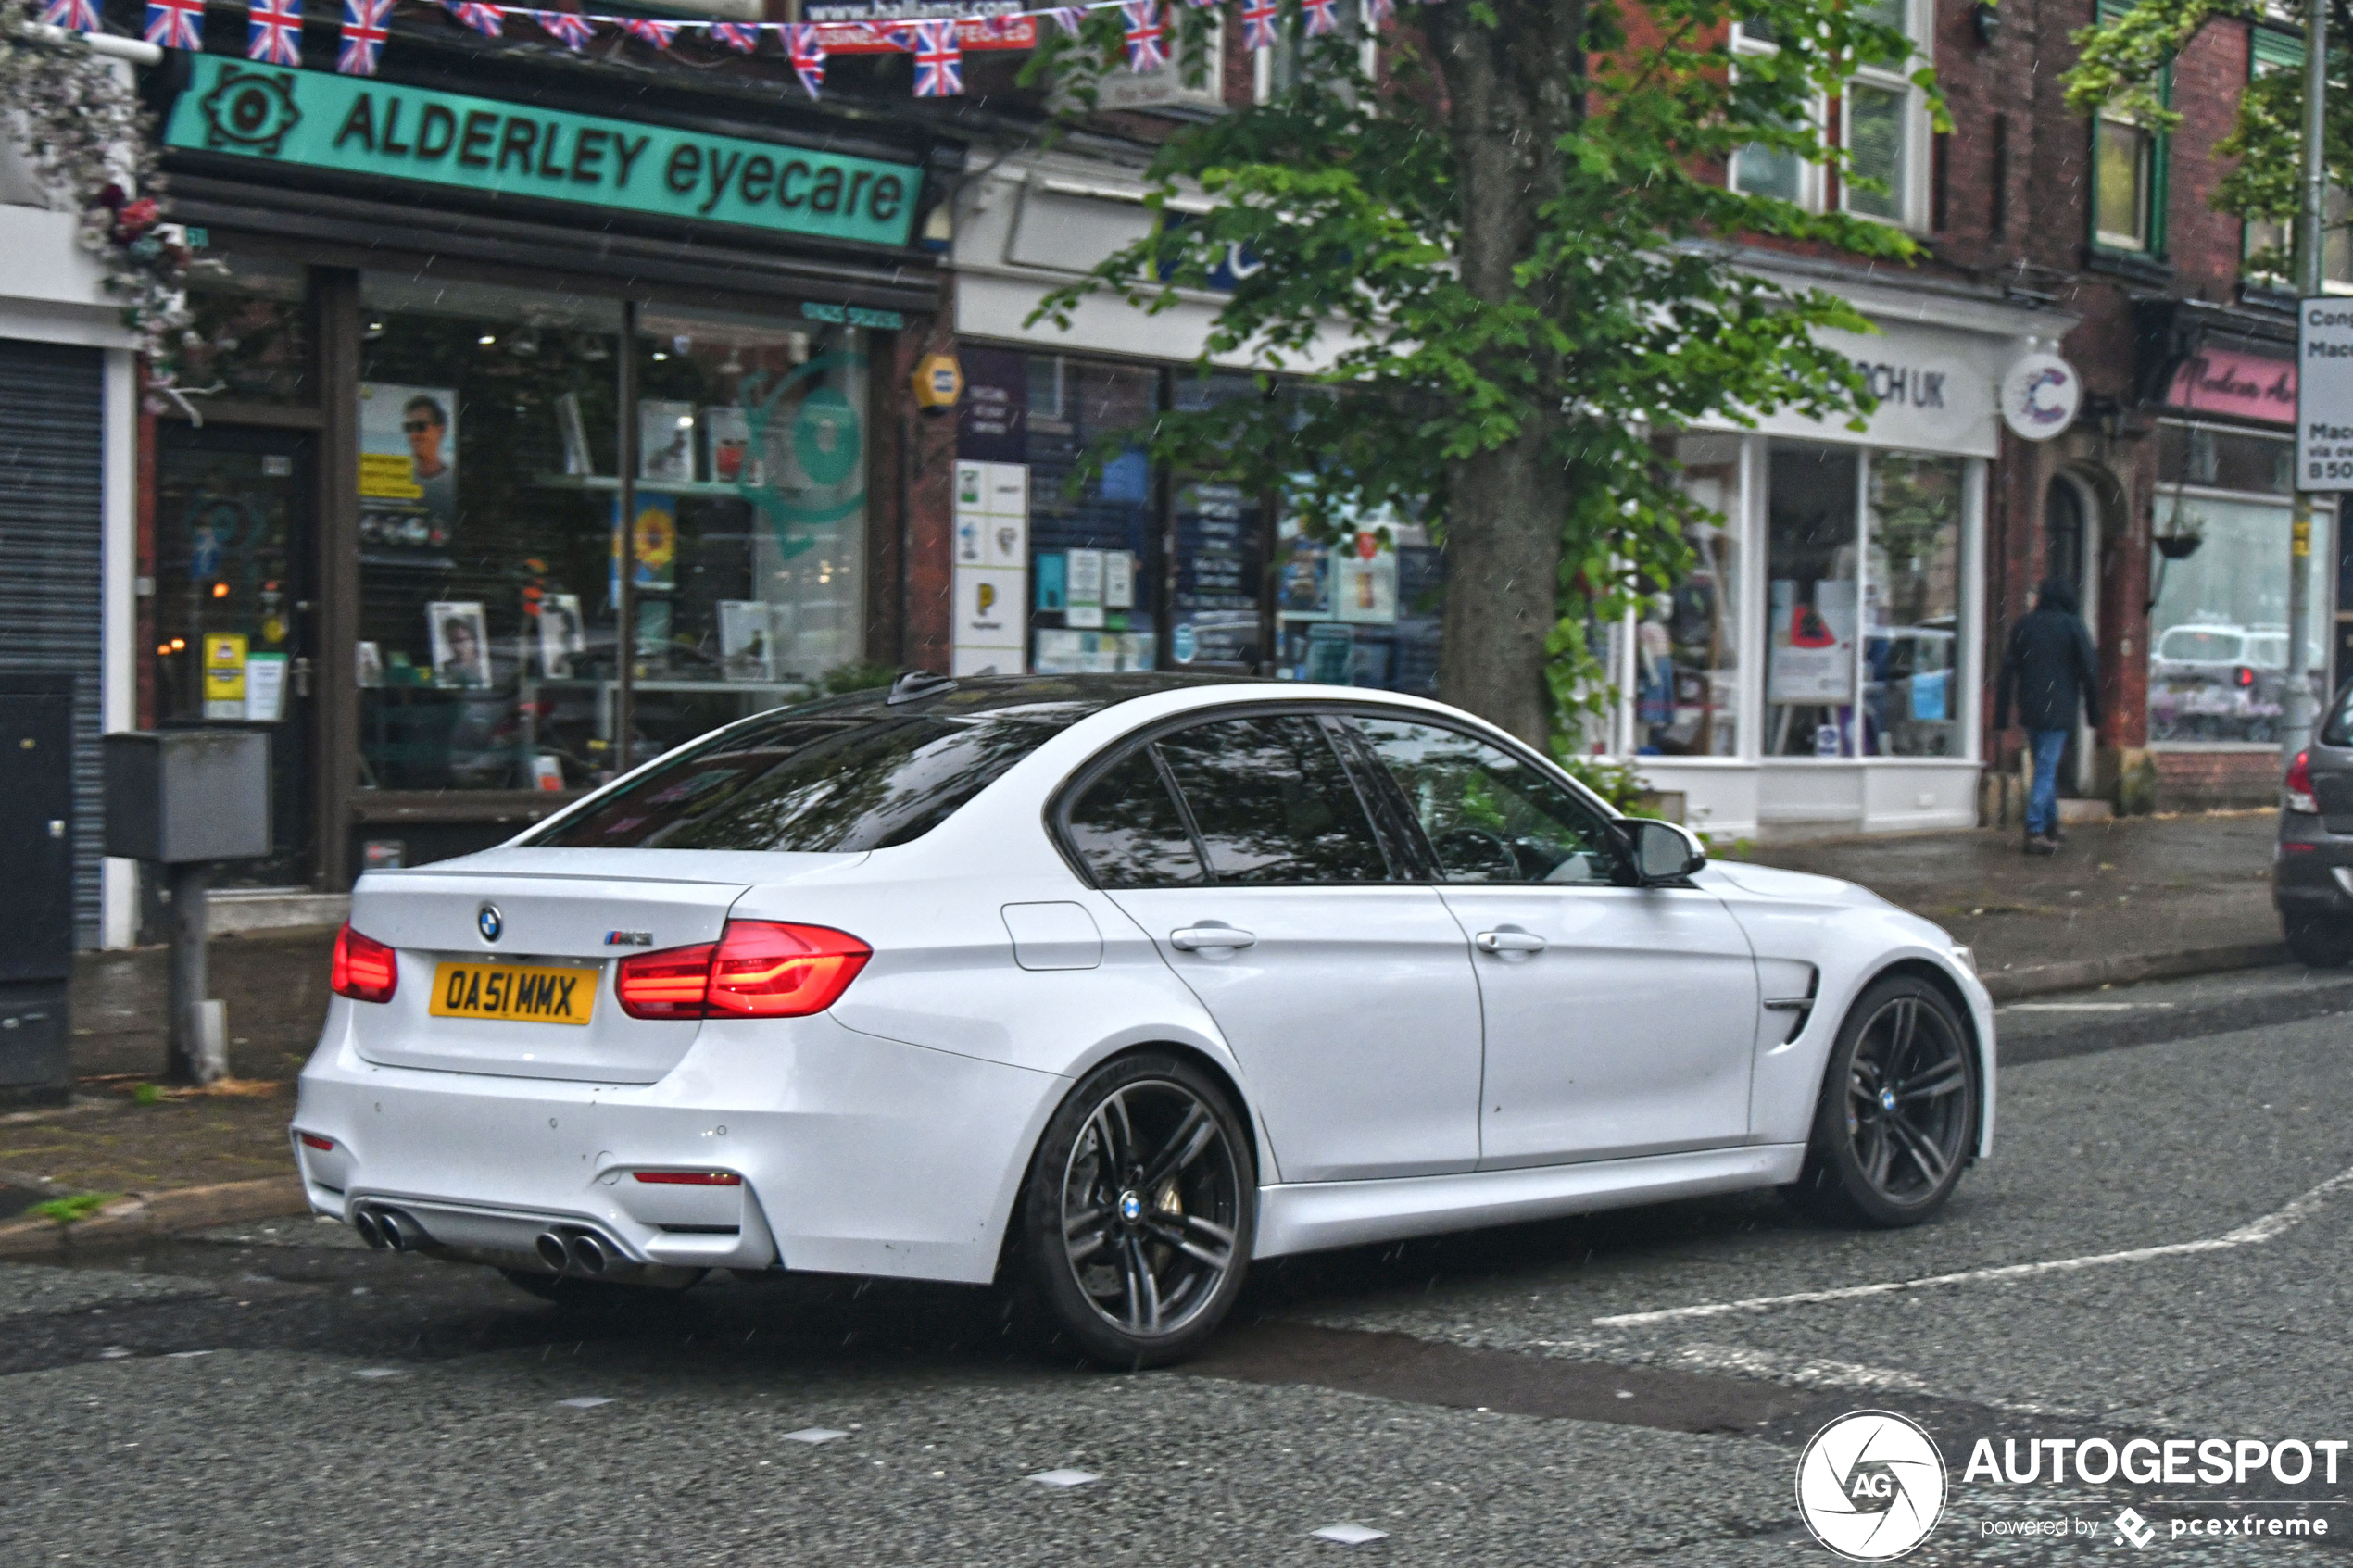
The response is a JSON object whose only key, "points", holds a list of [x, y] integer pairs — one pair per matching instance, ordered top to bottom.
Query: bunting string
{"points": [[275, 31]]}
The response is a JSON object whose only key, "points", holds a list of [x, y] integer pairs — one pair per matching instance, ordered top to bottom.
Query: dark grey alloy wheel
{"points": [[1897, 1122], [1138, 1219]]}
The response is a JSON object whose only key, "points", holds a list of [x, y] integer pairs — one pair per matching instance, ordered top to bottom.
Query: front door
{"points": [[234, 613], [1346, 995], [1619, 1020]]}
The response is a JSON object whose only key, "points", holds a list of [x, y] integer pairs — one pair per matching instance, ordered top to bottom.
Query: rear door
{"points": [[1243, 845], [1619, 1020]]}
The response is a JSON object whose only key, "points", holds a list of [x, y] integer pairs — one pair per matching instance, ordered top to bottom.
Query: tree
{"points": [[2121, 69], [1500, 260]]}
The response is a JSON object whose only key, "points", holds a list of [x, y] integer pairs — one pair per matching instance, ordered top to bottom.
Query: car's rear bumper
{"points": [[2311, 868], [857, 1154]]}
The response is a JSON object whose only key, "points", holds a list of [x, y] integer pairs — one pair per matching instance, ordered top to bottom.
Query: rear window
{"points": [[2200, 647], [2338, 730], [813, 780]]}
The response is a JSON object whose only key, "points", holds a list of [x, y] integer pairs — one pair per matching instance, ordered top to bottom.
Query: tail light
{"points": [[2243, 676], [2298, 785], [756, 969], [365, 970], [312, 1140], [690, 1178]]}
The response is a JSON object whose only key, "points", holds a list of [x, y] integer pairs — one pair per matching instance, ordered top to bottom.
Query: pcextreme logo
{"points": [[1870, 1485]]}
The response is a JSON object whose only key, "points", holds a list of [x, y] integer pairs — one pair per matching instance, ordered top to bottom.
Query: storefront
{"points": [[522, 444], [1133, 566], [1820, 669]]}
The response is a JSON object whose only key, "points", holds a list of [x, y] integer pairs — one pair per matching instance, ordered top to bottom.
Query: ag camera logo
{"points": [[1870, 1485]]}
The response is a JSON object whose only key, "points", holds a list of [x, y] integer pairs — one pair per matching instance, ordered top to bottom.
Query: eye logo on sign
{"points": [[250, 111], [1870, 1485]]}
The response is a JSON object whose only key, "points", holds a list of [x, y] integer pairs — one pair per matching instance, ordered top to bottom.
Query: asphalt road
{"points": [[1626, 1389]]}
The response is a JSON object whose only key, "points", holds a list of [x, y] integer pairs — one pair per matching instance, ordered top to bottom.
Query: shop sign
{"points": [[367, 127], [2245, 386], [2040, 395], [2323, 396]]}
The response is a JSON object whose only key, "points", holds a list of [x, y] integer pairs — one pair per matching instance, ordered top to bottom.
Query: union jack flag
{"points": [[1378, 13], [74, 16], [1322, 16], [1068, 18], [488, 20], [175, 24], [1258, 24], [365, 28], [568, 28], [273, 31], [659, 34], [743, 39], [1144, 50], [808, 51], [940, 59]]}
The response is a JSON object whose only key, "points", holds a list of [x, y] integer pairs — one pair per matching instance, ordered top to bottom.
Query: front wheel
{"points": [[1898, 1112], [1140, 1211]]}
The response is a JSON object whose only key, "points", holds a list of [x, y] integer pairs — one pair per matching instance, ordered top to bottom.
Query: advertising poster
{"points": [[728, 429], [666, 441], [408, 465], [991, 561], [1365, 589], [1083, 590], [559, 635], [746, 641], [460, 643], [1813, 644], [224, 674]]}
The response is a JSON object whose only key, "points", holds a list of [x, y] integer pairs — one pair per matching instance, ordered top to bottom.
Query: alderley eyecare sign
{"points": [[365, 125]]}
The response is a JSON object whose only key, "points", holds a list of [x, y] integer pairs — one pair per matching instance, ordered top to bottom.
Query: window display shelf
{"points": [[726, 489]]}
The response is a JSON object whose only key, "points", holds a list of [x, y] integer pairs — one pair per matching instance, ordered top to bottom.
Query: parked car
{"points": [[2217, 682], [2312, 868], [1104, 987]]}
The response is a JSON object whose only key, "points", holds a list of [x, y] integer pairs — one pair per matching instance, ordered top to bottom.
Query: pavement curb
{"points": [[2126, 968], [143, 1215]]}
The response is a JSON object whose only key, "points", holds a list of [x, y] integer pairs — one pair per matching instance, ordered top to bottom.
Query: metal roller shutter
{"points": [[52, 444]]}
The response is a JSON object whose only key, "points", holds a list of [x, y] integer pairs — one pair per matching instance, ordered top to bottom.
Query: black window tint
{"points": [[817, 783], [1273, 803], [1489, 816], [1127, 829]]}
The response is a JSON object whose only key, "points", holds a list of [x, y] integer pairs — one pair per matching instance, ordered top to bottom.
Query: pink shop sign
{"points": [[2220, 381]]}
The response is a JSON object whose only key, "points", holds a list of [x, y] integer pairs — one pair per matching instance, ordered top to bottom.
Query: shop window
{"points": [[248, 336], [749, 536], [1218, 542], [1093, 566], [1811, 574], [2217, 630], [1687, 637], [1912, 667]]}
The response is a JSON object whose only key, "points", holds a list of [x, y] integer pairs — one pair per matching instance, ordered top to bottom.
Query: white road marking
{"points": [[2254, 1233]]}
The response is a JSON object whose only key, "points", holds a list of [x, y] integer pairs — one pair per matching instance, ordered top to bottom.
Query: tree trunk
{"points": [[1512, 88]]}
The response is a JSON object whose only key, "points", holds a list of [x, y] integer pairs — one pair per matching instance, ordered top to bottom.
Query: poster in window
{"points": [[728, 429], [666, 441], [408, 465], [1365, 589], [560, 637], [746, 639], [460, 643], [1813, 644]]}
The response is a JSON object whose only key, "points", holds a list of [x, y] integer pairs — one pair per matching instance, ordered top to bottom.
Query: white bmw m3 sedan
{"points": [[1101, 987]]}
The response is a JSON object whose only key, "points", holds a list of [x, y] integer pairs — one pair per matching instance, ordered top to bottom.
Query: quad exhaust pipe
{"points": [[388, 1230]]}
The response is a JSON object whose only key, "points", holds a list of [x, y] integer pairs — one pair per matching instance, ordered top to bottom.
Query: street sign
{"points": [[2325, 393]]}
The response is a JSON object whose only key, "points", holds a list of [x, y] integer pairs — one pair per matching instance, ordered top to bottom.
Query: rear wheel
{"points": [[2320, 941], [1898, 1112], [1136, 1220]]}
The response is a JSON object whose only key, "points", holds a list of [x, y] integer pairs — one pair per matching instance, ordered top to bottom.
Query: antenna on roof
{"points": [[915, 685]]}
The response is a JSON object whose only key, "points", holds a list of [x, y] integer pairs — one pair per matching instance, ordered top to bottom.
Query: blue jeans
{"points": [[2042, 800]]}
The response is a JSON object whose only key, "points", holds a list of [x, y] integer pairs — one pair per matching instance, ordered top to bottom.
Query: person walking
{"points": [[2049, 668]]}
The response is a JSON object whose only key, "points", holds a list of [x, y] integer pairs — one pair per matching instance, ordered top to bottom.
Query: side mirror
{"points": [[1663, 851]]}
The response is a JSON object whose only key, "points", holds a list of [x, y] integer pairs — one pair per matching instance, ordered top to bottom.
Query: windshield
{"points": [[805, 779]]}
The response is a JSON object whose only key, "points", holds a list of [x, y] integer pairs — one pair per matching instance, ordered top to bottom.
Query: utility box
{"points": [[179, 796], [36, 880]]}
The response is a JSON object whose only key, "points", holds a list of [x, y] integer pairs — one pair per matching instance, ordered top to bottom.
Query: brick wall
{"points": [[2193, 781]]}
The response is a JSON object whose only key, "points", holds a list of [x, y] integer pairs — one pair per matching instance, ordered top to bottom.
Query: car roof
{"points": [[983, 693]]}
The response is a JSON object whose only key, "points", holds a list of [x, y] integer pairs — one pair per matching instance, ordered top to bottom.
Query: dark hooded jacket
{"points": [[2050, 667]]}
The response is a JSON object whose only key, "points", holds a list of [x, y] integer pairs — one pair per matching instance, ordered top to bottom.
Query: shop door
{"points": [[2068, 551], [234, 621]]}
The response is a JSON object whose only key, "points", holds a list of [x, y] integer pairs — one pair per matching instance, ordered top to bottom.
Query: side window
{"points": [[1273, 802], [1489, 816], [1127, 830]]}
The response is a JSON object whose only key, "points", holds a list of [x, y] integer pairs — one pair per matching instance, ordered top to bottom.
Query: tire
{"points": [[2320, 941], [1897, 1121], [1136, 1221]]}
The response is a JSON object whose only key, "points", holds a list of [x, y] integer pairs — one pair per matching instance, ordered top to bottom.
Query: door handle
{"points": [[1193, 938], [1509, 942]]}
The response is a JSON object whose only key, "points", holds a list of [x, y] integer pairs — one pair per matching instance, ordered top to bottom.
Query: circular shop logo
{"points": [[250, 111], [2040, 395], [489, 922], [1870, 1485]]}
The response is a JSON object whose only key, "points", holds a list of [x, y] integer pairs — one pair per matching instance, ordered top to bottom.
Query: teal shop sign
{"points": [[359, 125]]}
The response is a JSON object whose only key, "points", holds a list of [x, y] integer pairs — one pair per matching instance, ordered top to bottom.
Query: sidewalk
{"points": [[2139, 899]]}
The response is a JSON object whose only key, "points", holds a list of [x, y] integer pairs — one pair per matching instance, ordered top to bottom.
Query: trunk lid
{"points": [[573, 912]]}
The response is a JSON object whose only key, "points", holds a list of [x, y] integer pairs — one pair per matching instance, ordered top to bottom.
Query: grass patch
{"points": [[64, 1211]]}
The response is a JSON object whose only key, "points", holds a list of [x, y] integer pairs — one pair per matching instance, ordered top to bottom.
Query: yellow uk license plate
{"points": [[514, 991]]}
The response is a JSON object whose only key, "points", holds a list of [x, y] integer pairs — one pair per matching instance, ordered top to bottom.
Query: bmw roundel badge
{"points": [[488, 921]]}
